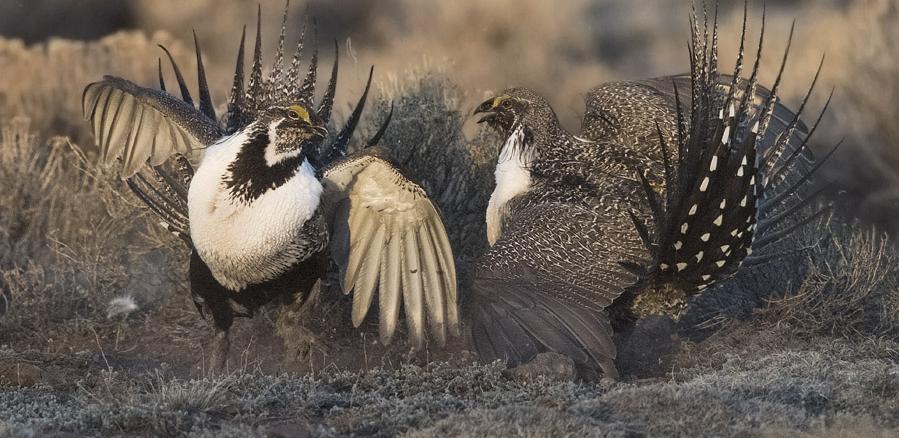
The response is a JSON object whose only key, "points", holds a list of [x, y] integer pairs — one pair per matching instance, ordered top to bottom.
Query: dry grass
{"points": [[70, 239], [851, 289], [816, 388]]}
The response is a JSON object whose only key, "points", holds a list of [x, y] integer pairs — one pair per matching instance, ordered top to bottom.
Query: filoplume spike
{"points": [[255, 89], [206, 106], [235, 117]]}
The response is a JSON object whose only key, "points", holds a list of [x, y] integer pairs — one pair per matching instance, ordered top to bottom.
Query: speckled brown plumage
{"points": [[671, 190]]}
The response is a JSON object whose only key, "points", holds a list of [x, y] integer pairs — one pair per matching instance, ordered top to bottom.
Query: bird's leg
{"points": [[299, 341], [220, 349]]}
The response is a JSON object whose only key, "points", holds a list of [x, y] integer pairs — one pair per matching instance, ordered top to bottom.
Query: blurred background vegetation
{"points": [[51, 48]]}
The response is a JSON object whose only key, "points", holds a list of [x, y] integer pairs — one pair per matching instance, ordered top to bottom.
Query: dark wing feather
{"points": [[545, 284]]}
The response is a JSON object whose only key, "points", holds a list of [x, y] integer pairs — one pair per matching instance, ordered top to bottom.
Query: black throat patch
{"points": [[249, 176]]}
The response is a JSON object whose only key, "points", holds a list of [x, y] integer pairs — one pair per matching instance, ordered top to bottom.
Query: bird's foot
{"points": [[301, 346]]}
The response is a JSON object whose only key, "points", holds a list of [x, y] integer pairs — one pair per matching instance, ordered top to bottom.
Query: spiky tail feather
{"points": [[718, 206]]}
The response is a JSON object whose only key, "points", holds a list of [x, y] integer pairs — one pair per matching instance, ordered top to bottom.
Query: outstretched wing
{"points": [[138, 124], [387, 235], [545, 284]]}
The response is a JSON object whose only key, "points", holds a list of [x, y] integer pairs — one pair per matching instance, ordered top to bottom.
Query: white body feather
{"points": [[512, 179], [248, 243]]}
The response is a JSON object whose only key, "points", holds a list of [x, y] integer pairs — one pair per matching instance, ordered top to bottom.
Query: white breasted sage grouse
{"points": [[683, 179], [270, 199]]}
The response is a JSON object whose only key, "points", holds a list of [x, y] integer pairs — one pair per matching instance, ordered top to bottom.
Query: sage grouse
{"points": [[270, 199], [623, 222]]}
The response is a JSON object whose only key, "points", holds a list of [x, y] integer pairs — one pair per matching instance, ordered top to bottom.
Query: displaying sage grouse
{"points": [[682, 180], [270, 199]]}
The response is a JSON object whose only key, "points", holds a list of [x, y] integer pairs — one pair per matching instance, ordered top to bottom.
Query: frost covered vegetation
{"points": [[101, 338], [832, 389]]}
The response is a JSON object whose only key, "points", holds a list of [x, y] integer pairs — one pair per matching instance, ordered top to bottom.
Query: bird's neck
{"points": [[556, 152], [250, 175]]}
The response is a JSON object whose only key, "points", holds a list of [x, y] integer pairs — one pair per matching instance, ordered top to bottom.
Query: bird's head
{"points": [[512, 107], [293, 131]]}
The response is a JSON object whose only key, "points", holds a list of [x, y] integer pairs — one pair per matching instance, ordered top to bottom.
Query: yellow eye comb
{"points": [[497, 101], [300, 113]]}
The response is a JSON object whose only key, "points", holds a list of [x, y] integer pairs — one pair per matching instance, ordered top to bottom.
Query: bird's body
{"points": [[270, 202], [620, 222], [248, 240], [557, 242]]}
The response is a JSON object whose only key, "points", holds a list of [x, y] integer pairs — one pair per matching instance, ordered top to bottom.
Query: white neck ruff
{"points": [[513, 177]]}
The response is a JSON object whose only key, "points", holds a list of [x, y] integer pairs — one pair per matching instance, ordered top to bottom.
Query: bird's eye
{"points": [[507, 104], [293, 115]]}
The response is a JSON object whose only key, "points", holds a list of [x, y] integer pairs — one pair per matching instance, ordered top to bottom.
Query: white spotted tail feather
{"points": [[718, 208]]}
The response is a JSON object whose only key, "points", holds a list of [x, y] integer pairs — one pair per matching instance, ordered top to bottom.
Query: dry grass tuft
{"points": [[70, 239], [852, 288], [207, 395]]}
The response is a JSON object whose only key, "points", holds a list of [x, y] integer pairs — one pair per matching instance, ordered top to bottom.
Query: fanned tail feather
{"points": [[293, 73], [182, 85], [277, 89], [307, 90], [255, 95], [206, 106], [324, 109], [236, 117], [375, 139], [163, 189], [719, 205]]}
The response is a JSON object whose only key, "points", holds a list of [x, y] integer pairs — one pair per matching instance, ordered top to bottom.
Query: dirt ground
{"points": [[140, 377]]}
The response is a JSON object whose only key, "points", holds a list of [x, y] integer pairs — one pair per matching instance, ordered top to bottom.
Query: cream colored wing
{"points": [[140, 124], [386, 235]]}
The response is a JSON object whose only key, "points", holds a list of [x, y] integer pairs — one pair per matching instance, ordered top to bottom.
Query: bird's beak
{"points": [[487, 109], [487, 118], [321, 131]]}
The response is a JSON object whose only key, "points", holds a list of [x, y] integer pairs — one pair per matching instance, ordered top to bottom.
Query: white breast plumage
{"points": [[512, 179], [251, 242]]}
